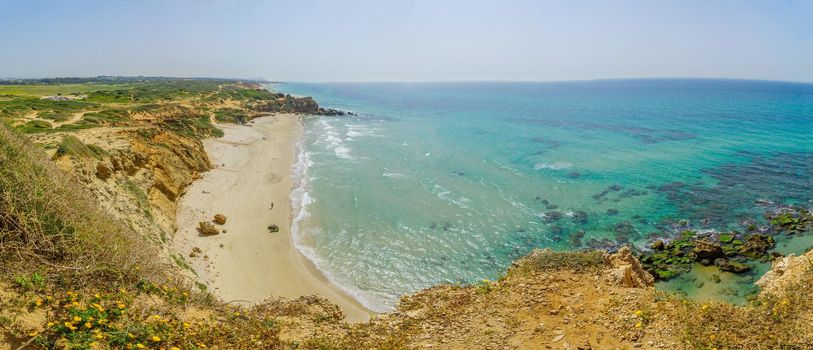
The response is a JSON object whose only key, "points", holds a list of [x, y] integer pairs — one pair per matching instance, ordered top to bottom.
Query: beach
{"points": [[251, 185]]}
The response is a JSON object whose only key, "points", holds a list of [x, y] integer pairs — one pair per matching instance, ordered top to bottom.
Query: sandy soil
{"points": [[246, 263]]}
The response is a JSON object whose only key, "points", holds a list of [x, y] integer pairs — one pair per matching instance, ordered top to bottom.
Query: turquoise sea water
{"points": [[450, 182]]}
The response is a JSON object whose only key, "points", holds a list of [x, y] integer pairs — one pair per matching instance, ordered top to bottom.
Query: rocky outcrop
{"points": [[290, 104], [756, 246], [706, 251], [731, 266], [627, 271], [784, 272]]}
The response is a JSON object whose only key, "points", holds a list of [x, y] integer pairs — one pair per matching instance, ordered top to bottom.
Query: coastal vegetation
{"points": [[88, 188]]}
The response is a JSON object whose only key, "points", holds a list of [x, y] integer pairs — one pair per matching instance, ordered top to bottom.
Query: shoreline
{"points": [[248, 264]]}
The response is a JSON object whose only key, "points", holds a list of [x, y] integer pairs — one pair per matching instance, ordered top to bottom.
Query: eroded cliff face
{"points": [[141, 177]]}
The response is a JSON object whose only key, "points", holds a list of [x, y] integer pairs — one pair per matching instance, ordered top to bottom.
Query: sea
{"points": [[449, 182]]}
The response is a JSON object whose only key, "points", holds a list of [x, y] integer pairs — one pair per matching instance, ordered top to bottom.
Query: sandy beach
{"points": [[247, 263]]}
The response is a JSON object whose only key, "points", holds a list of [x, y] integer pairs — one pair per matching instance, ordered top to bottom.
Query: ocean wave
{"points": [[356, 130], [342, 152], [552, 166], [396, 175], [300, 201]]}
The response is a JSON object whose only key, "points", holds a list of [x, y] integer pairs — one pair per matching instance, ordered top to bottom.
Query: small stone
{"points": [[220, 219], [273, 228], [540, 328], [585, 345]]}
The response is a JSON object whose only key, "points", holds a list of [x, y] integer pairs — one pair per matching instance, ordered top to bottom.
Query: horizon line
{"points": [[269, 81]]}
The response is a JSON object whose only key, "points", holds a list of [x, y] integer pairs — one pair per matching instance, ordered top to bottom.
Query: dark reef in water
{"points": [[782, 177], [729, 251]]}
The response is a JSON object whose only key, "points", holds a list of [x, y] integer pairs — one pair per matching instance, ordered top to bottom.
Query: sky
{"points": [[322, 40]]}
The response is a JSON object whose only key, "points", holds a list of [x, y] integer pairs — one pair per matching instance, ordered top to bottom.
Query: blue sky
{"points": [[312, 40]]}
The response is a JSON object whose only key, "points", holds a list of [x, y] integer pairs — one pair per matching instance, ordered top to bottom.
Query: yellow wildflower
{"points": [[38, 302], [705, 306], [638, 312], [76, 318], [49, 324], [88, 325], [639, 325], [33, 333], [156, 338], [140, 346]]}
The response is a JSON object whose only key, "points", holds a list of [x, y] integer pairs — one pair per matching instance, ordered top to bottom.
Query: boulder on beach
{"points": [[220, 219], [207, 228]]}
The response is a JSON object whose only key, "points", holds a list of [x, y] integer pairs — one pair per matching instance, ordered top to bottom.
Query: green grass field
{"points": [[64, 89]]}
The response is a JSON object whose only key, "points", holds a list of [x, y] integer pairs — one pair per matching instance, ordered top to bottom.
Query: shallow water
{"points": [[450, 182]]}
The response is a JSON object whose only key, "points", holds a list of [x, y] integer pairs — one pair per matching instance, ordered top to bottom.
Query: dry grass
{"points": [[49, 223]]}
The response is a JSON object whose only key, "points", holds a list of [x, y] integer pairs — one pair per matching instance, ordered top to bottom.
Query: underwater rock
{"points": [[612, 211], [552, 216], [579, 217], [576, 239], [657, 244], [756, 246], [731, 266]]}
